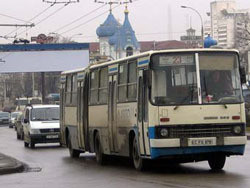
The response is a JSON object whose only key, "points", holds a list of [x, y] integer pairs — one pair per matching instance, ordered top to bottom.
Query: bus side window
{"points": [[132, 78], [122, 83], [94, 87], [103, 87], [74, 89], [68, 90]]}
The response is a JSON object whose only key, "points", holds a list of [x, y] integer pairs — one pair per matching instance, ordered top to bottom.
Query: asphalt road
{"points": [[51, 166]]}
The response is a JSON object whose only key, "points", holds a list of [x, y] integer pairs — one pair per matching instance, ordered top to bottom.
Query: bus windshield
{"points": [[219, 77], [174, 78]]}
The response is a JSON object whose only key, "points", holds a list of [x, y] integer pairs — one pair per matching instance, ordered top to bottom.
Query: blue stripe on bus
{"points": [[143, 62], [113, 69], [151, 132], [163, 152]]}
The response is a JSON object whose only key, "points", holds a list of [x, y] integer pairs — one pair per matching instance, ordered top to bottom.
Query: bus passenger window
{"points": [[132, 75], [122, 84], [94, 87], [103, 88], [68, 90], [74, 90]]}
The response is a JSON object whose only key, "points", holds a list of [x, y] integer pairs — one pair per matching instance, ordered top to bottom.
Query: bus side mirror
{"points": [[243, 75]]}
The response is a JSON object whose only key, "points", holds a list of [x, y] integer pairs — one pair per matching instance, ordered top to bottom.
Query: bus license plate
{"points": [[51, 136], [211, 141]]}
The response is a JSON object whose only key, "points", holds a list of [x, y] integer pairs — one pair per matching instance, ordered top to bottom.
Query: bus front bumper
{"points": [[234, 145]]}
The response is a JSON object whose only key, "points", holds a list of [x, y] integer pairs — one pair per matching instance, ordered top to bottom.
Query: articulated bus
{"points": [[181, 105]]}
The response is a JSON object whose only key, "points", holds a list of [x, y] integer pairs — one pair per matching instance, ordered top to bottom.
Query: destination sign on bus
{"points": [[168, 60]]}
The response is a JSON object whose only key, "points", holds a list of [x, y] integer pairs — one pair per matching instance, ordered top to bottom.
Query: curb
{"points": [[9, 165]]}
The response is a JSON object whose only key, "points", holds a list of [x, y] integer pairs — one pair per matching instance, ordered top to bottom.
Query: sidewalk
{"points": [[10, 165]]}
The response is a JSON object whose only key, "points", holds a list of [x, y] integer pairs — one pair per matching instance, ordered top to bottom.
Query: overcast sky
{"points": [[149, 18]]}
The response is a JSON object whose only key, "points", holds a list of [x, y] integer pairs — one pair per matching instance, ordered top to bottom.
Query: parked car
{"points": [[246, 95], [4, 118], [13, 118], [41, 124], [19, 127]]}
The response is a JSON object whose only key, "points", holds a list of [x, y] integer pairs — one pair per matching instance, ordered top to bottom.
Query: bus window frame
{"points": [[96, 71], [127, 83], [103, 88]]}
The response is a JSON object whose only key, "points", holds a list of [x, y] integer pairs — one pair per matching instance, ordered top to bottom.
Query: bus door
{"points": [[142, 111], [112, 113], [80, 116]]}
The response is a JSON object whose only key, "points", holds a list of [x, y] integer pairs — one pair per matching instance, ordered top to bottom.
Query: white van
{"points": [[41, 124]]}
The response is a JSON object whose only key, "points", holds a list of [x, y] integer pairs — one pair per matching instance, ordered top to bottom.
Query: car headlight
{"points": [[237, 129], [34, 131], [164, 132]]}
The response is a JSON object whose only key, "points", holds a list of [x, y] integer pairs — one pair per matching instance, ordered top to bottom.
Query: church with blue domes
{"points": [[117, 41]]}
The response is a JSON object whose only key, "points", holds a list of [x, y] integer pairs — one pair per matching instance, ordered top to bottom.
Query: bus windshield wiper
{"points": [[190, 95]]}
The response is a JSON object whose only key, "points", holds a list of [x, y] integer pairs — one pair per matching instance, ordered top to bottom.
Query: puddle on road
{"points": [[32, 169]]}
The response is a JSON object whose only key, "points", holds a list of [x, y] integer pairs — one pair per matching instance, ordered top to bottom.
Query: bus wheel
{"points": [[17, 136], [22, 136], [26, 144], [32, 145], [72, 152], [100, 157], [217, 162], [139, 163]]}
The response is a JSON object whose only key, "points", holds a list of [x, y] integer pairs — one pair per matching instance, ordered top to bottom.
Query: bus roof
{"points": [[148, 53], [74, 70]]}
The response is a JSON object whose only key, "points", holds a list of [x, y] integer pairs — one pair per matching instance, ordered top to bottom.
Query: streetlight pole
{"points": [[202, 37]]}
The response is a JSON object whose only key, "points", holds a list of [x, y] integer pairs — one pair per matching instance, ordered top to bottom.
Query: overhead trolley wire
{"points": [[32, 18], [45, 18], [18, 19], [78, 19], [88, 21]]}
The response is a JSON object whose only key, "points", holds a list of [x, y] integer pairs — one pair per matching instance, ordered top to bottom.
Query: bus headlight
{"points": [[237, 129], [164, 132]]}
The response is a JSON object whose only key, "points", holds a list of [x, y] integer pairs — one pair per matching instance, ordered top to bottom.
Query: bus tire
{"points": [[17, 136], [22, 136], [26, 144], [32, 145], [72, 152], [100, 157], [217, 162], [139, 163]]}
